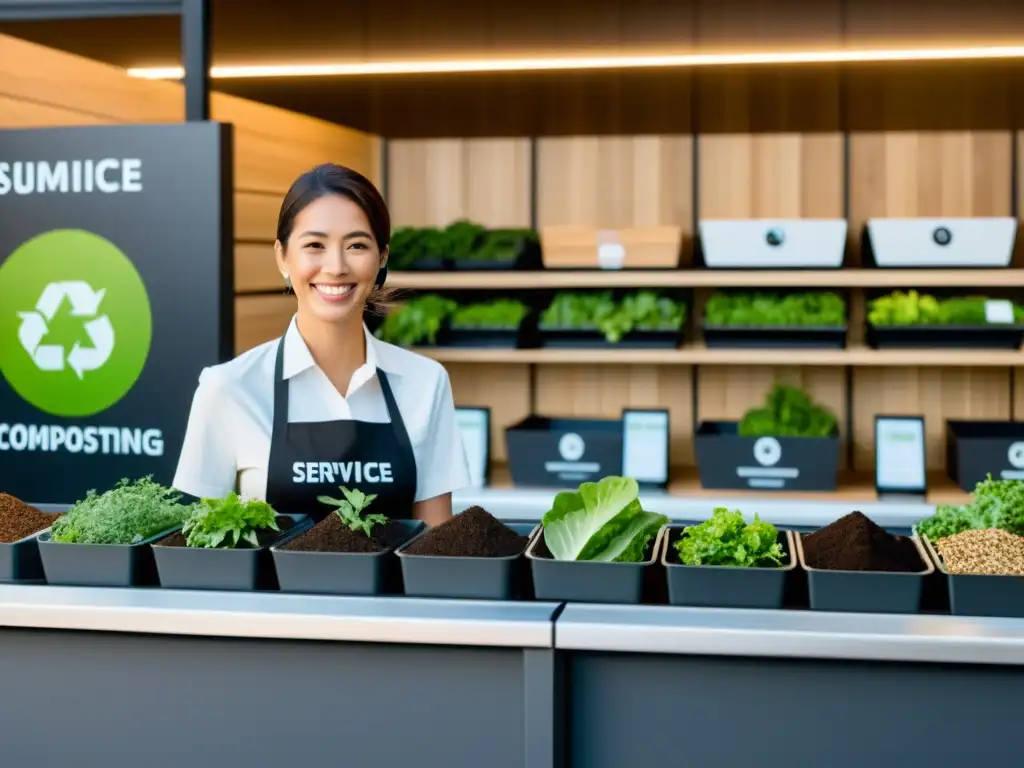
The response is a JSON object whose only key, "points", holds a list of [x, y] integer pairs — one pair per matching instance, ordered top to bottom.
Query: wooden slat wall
{"points": [[41, 86]]}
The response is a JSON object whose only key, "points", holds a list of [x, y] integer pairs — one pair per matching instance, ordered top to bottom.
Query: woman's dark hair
{"points": [[331, 179]]}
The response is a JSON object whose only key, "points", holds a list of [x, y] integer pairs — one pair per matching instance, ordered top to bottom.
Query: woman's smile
{"points": [[334, 292]]}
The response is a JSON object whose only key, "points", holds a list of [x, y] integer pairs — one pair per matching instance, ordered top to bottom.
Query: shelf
{"points": [[708, 278], [698, 354], [853, 487]]}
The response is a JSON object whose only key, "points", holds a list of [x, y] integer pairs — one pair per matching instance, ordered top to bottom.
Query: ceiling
{"points": [[296, 31]]}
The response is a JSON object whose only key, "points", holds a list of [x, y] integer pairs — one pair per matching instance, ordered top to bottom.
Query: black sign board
{"points": [[116, 289], [562, 453]]}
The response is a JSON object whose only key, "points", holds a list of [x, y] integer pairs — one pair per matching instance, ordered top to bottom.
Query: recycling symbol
{"points": [[85, 303]]}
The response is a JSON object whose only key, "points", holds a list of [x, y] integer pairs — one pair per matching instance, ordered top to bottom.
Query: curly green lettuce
{"points": [[726, 538]]}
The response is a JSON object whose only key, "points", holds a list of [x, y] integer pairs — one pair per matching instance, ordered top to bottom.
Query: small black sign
{"points": [[116, 289], [976, 449], [562, 453]]}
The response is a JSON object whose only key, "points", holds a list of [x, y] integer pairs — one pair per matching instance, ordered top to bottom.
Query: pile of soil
{"points": [[18, 519], [473, 533], [332, 535], [855, 543]]}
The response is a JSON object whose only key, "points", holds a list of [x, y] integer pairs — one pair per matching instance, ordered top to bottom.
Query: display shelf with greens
{"points": [[463, 245], [641, 319], [815, 319], [907, 320], [418, 321], [502, 323], [790, 443], [103, 540], [224, 544], [595, 544], [346, 553], [727, 562]]}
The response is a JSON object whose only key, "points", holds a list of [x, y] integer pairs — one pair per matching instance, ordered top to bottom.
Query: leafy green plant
{"points": [[461, 240], [503, 244], [819, 308], [911, 308], [642, 310], [504, 314], [416, 321], [788, 412], [995, 504], [351, 508], [127, 514], [600, 521], [228, 522], [727, 539]]}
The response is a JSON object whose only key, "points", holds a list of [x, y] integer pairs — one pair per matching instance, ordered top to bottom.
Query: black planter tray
{"points": [[427, 265], [775, 336], [945, 336], [497, 338], [589, 338], [976, 449], [728, 461], [20, 561], [99, 565], [243, 569], [342, 573], [466, 578], [589, 582], [722, 586], [866, 591], [980, 594]]}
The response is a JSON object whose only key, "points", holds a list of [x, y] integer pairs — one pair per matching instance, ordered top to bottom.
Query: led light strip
{"points": [[551, 64]]}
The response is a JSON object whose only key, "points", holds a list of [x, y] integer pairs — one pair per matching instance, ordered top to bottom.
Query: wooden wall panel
{"points": [[937, 22], [771, 176], [620, 181], [434, 182], [261, 318], [505, 389], [602, 391], [725, 393], [935, 393]]}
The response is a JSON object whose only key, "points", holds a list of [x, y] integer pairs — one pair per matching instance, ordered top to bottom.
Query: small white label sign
{"points": [[611, 254], [999, 311], [473, 426], [645, 446], [900, 454]]}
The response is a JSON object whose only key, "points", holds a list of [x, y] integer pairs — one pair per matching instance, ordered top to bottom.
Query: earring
{"points": [[287, 283]]}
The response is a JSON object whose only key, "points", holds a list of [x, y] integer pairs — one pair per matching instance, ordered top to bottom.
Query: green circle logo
{"points": [[75, 322]]}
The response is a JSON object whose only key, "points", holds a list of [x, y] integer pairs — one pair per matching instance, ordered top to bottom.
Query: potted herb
{"points": [[417, 248], [500, 249], [643, 319], [799, 319], [909, 319], [417, 322], [497, 323], [790, 443], [103, 540], [595, 544], [223, 545], [19, 550], [346, 553], [473, 556], [727, 562], [978, 578]]}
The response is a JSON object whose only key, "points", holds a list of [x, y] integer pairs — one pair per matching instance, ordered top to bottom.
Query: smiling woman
{"points": [[328, 405]]}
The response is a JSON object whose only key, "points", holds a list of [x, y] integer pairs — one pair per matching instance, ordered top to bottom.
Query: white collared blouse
{"points": [[227, 442]]}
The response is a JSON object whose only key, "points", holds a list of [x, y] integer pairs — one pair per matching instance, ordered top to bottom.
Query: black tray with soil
{"points": [[775, 336], [995, 336], [594, 338], [20, 524], [473, 556], [332, 559], [853, 564], [99, 565], [239, 569], [589, 582], [724, 586], [980, 594]]}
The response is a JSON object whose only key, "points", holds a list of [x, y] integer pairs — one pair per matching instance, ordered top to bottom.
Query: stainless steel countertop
{"points": [[531, 504], [279, 616], [790, 634]]}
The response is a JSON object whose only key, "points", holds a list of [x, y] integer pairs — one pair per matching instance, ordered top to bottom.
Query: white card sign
{"points": [[611, 254], [999, 311], [475, 426], [645, 437], [900, 454]]}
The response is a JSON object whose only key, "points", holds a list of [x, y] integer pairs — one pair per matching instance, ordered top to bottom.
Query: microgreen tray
{"points": [[775, 336], [945, 336], [980, 594]]}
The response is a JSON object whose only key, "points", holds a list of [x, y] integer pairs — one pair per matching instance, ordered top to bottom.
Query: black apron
{"points": [[310, 459]]}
